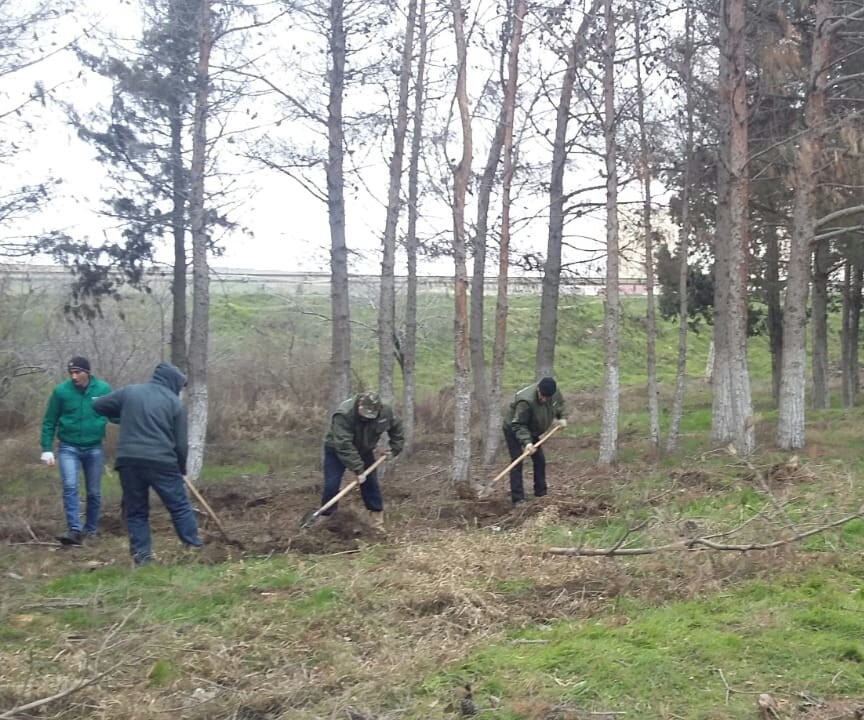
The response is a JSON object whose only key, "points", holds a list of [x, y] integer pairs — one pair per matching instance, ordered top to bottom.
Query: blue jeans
{"points": [[71, 459], [334, 469], [136, 481]]}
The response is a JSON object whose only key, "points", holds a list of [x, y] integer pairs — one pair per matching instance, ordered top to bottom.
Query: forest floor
{"points": [[399, 613]]}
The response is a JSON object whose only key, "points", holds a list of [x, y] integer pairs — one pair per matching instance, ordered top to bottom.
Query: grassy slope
{"points": [[395, 631]]}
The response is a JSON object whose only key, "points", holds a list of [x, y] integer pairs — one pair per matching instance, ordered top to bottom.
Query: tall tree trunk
{"points": [[645, 171], [461, 175], [179, 190], [684, 235], [852, 281], [387, 305], [775, 312], [819, 313], [845, 326], [855, 331], [199, 338], [340, 354], [544, 364], [479, 370], [611, 379], [409, 380], [493, 415], [790, 416], [732, 420]]}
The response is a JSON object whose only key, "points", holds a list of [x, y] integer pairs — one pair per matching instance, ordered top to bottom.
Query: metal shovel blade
{"points": [[309, 518]]}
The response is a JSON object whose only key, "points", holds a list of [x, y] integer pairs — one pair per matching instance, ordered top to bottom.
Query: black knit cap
{"points": [[79, 363], [547, 387]]}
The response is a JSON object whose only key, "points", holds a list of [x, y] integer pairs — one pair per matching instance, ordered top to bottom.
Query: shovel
{"points": [[543, 438], [200, 498], [311, 517]]}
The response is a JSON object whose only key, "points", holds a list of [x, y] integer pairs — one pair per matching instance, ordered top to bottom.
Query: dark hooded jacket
{"points": [[152, 421]]}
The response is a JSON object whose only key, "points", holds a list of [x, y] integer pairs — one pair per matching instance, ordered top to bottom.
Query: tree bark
{"points": [[645, 172], [461, 175], [179, 190], [684, 236], [387, 305], [775, 312], [819, 313], [199, 337], [340, 355], [409, 363], [544, 364], [479, 370], [611, 379], [493, 415], [790, 416], [732, 418]]}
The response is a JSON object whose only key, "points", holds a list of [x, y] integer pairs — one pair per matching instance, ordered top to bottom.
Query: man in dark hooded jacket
{"points": [[151, 452]]}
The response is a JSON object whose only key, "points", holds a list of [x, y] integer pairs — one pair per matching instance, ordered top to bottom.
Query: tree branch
{"points": [[694, 543]]}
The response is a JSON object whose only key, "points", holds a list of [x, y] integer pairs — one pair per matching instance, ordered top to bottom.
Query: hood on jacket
{"points": [[170, 376]]}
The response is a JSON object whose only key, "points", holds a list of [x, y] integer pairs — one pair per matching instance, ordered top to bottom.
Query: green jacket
{"points": [[70, 415], [528, 419], [349, 435]]}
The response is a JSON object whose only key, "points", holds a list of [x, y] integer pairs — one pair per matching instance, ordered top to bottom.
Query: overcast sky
{"points": [[285, 229]]}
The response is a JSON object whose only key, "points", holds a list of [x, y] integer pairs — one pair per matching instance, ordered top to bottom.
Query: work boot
{"points": [[375, 519], [73, 537]]}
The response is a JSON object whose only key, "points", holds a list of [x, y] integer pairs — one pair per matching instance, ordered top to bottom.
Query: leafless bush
{"points": [[261, 390], [435, 412]]}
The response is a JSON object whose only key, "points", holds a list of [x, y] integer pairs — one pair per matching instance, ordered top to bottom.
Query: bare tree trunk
{"points": [[645, 171], [461, 175], [178, 229], [684, 236], [852, 282], [387, 306], [775, 312], [845, 326], [819, 329], [855, 331], [199, 338], [477, 340], [340, 355], [544, 364], [409, 379], [611, 379], [733, 411], [493, 416], [790, 416]]}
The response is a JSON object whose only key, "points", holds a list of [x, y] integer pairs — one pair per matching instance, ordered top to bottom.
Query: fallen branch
{"points": [[699, 542], [57, 696]]}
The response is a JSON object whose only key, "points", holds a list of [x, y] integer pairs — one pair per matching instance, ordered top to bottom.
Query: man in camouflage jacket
{"points": [[532, 412], [354, 431]]}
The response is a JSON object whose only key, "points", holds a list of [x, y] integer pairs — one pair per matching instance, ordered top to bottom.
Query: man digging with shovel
{"points": [[533, 411], [354, 431]]}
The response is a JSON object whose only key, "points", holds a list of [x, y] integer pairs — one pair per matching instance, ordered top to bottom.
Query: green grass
{"points": [[795, 634]]}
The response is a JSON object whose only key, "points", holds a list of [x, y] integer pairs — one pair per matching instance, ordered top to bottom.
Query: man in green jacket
{"points": [[532, 412], [79, 431], [354, 431]]}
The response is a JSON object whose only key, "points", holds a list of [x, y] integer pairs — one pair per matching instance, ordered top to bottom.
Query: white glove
{"points": [[562, 422], [529, 448], [47, 458], [361, 478]]}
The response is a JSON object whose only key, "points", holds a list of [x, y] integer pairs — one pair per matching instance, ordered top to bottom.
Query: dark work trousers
{"points": [[334, 468], [136, 481], [517, 491]]}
